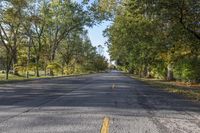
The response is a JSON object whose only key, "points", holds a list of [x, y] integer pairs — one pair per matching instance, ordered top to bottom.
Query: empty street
{"points": [[92, 104]]}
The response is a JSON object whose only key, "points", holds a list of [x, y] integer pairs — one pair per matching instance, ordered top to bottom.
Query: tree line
{"points": [[49, 36], [159, 38]]}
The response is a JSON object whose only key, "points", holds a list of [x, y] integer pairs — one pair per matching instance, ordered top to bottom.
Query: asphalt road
{"points": [[79, 105]]}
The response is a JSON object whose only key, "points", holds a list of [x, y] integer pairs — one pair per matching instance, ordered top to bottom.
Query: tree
{"points": [[64, 17], [10, 30], [41, 35], [150, 37]]}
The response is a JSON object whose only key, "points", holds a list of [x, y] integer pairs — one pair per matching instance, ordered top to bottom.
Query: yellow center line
{"points": [[105, 125]]}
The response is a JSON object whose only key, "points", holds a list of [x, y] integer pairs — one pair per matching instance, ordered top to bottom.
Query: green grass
{"points": [[11, 77], [22, 77], [188, 92]]}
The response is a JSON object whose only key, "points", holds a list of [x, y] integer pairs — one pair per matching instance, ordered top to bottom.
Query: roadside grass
{"points": [[11, 77], [22, 77], [189, 92]]}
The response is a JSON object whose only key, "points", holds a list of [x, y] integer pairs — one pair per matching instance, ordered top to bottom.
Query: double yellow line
{"points": [[105, 125]]}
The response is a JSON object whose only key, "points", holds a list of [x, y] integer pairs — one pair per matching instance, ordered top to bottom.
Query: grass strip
{"points": [[20, 79], [188, 92]]}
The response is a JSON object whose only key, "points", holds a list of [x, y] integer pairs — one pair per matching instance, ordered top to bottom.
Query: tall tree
{"points": [[10, 30]]}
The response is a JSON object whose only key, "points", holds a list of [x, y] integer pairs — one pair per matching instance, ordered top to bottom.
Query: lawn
{"points": [[22, 76]]}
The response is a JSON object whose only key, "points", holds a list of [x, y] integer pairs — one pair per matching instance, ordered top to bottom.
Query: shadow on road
{"points": [[93, 91]]}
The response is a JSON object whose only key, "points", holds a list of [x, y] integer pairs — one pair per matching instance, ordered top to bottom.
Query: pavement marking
{"points": [[113, 86], [105, 125]]}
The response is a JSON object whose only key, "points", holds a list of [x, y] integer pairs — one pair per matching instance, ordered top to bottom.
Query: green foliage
{"points": [[48, 36], [155, 38], [54, 66], [187, 69], [69, 70], [159, 70]]}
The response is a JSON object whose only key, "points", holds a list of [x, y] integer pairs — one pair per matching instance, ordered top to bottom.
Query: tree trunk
{"points": [[52, 57], [28, 61], [8, 65], [37, 67], [63, 68], [15, 71], [37, 71], [45, 71], [62, 71], [145, 71], [51, 72], [140, 72], [148, 72], [7, 73], [27, 74], [170, 75]]}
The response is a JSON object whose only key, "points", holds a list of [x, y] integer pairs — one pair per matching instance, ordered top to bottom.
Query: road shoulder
{"points": [[187, 92]]}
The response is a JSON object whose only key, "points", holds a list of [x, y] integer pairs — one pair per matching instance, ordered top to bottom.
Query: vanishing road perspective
{"points": [[99, 66], [89, 103]]}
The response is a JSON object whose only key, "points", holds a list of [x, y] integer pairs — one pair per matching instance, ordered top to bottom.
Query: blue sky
{"points": [[96, 33], [96, 36]]}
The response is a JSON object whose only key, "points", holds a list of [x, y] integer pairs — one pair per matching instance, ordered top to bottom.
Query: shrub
{"points": [[187, 69]]}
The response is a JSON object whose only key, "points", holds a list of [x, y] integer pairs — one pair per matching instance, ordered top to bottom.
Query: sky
{"points": [[96, 36]]}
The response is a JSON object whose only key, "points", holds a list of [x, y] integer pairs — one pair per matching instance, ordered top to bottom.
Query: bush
{"points": [[54, 66], [187, 69], [159, 70]]}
